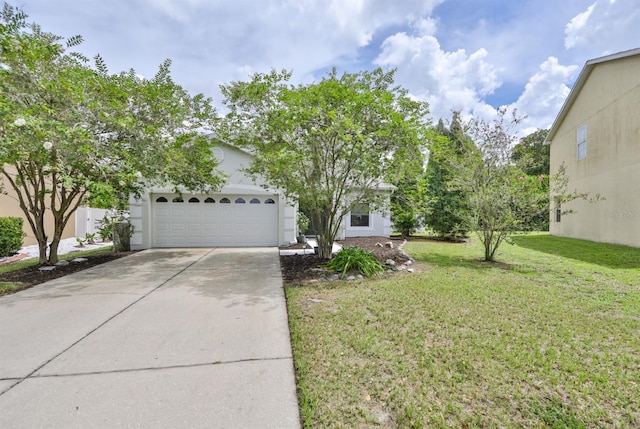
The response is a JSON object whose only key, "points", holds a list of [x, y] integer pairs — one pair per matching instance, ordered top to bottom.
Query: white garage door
{"points": [[214, 220]]}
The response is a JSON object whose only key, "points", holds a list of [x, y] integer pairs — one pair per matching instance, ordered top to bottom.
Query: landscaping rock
{"points": [[389, 244], [78, 260], [390, 262], [62, 263], [47, 268], [410, 270], [351, 278]]}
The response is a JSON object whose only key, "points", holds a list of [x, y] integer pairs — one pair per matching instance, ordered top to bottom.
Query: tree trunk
{"points": [[325, 248], [42, 251], [53, 251]]}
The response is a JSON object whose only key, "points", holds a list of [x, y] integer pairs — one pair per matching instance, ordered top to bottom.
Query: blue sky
{"points": [[468, 55]]}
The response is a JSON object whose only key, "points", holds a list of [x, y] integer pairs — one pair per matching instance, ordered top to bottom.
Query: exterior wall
{"points": [[609, 105], [232, 161], [9, 206], [379, 224]]}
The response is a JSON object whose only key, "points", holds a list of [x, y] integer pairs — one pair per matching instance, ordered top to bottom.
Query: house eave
{"points": [[577, 87]]}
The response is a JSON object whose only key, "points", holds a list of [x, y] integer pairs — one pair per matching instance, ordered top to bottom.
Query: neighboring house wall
{"points": [[605, 102], [9, 206]]}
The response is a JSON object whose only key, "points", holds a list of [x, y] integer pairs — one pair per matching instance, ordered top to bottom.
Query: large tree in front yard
{"points": [[68, 129], [329, 144]]}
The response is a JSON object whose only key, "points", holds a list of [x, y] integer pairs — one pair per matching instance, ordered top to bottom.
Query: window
{"points": [[582, 142], [161, 200], [178, 200], [194, 200], [209, 200], [225, 201], [240, 201], [254, 201], [269, 201], [558, 212], [360, 215]]}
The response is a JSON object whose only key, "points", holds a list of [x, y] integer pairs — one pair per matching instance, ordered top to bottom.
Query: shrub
{"points": [[406, 223], [11, 235], [357, 259]]}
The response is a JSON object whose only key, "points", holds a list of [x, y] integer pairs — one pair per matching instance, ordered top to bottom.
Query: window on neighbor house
{"points": [[582, 142], [558, 212], [360, 215]]}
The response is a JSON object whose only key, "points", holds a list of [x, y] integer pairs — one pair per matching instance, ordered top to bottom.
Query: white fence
{"points": [[87, 219]]}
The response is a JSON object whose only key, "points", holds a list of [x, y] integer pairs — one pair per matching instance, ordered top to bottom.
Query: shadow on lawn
{"points": [[607, 255]]}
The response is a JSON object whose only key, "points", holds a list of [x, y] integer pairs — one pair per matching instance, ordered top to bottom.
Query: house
{"points": [[597, 136], [242, 213]]}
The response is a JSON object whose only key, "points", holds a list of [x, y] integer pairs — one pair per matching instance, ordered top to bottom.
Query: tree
{"points": [[69, 130], [328, 145], [532, 154], [533, 157], [500, 195], [408, 197], [445, 206]]}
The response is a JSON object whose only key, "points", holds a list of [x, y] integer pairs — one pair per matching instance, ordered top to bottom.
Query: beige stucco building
{"points": [[597, 136], [10, 206]]}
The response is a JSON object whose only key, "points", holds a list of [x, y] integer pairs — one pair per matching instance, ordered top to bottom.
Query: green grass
{"points": [[7, 287], [548, 337]]}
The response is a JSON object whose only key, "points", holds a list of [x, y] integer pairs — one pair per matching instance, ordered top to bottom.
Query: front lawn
{"points": [[548, 337]]}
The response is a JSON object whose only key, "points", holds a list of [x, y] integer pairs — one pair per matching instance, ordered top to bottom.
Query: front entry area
{"points": [[224, 220]]}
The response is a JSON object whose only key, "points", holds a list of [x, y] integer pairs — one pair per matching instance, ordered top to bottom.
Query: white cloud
{"points": [[607, 26], [449, 81], [545, 93]]}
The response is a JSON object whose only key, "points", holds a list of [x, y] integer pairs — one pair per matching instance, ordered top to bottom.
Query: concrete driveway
{"points": [[165, 338]]}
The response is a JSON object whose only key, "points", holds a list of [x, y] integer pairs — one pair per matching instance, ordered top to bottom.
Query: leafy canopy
{"points": [[70, 131], [329, 145]]}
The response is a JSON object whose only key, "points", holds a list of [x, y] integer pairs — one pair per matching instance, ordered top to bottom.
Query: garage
{"points": [[224, 220]]}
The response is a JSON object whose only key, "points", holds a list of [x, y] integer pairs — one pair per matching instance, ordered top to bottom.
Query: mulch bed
{"points": [[298, 269], [32, 276]]}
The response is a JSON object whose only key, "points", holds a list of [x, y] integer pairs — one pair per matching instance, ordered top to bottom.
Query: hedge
{"points": [[11, 235]]}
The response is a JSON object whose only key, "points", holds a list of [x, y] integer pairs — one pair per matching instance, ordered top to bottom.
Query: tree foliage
{"points": [[69, 130], [329, 145], [532, 154], [533, 157], [501, 197], [407, 199], [445, 205]]}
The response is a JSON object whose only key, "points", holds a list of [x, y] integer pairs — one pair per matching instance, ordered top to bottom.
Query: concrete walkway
{"points": [[166, 338]]}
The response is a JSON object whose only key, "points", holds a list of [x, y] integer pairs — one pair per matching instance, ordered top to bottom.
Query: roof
{"points": [[577, 87]]}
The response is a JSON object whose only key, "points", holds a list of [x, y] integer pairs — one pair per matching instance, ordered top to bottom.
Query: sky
{"points": [[471, 56]]}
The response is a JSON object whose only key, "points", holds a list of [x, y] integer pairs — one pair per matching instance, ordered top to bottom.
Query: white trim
{"points": [[581, 142]]}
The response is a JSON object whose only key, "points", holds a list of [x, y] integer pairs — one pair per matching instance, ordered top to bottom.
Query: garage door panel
{"points": [[200, 224]]}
